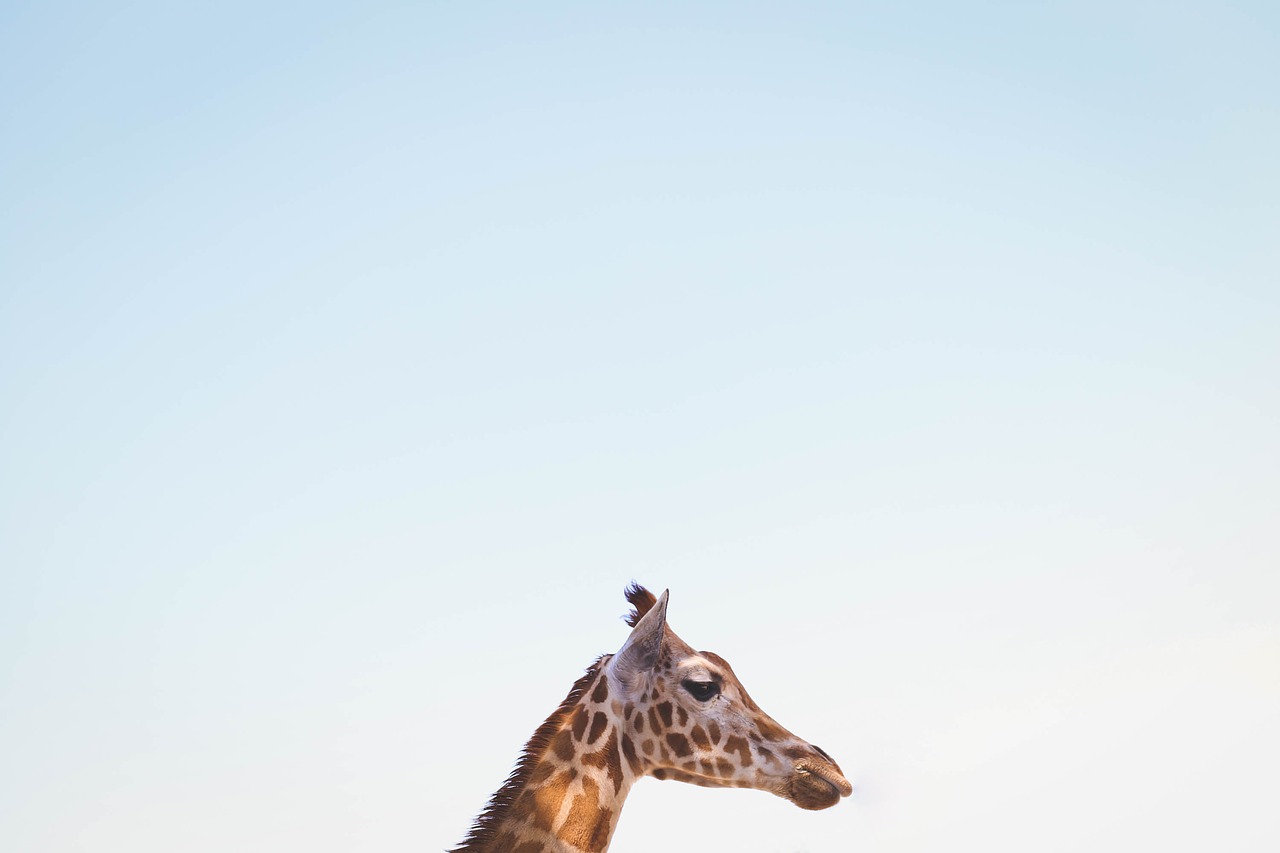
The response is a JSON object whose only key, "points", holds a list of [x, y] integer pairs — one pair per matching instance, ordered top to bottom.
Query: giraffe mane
{"points": [[641, 601], [490, 819]]}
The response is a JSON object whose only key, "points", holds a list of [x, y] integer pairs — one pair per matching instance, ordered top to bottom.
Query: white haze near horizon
{"points": [[354, 357]]}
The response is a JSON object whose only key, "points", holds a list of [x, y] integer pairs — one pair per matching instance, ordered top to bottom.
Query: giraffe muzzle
{"points": [[816, 785]]}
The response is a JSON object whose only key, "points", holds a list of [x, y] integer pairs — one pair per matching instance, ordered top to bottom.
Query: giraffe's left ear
{"points": [[640, 652]]}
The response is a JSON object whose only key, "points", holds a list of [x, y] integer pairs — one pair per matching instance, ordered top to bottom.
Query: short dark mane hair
{"points": [[641, 601], [487, 824]]}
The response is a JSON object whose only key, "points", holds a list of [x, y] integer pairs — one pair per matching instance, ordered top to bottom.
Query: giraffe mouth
{"points": [[815, 787]]}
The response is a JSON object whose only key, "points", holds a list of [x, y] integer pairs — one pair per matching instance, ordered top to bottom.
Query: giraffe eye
{"points": [[701, 690]]}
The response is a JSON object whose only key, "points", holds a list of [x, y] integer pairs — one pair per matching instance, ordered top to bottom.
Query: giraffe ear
{"points": [[640, 652]]}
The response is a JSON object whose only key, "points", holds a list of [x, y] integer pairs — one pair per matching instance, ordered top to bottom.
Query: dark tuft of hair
{"points": [[641, 601], [486, 826]]}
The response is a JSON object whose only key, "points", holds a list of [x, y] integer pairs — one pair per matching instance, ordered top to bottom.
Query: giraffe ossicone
{"points": [[655, 708]]}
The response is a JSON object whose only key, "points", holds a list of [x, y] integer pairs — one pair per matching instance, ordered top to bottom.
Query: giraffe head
{"points": [[686, 717]]}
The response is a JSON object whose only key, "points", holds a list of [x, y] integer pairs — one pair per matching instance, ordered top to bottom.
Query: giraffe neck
{"points": [[568, 788]]}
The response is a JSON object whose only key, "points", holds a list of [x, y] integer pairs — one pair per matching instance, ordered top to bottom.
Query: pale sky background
{"points": [[353, 357]]}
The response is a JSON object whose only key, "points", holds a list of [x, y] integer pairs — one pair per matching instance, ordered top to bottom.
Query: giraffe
{"points": [[655, 708]]}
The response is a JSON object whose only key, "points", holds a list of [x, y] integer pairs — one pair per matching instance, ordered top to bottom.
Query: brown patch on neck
{"points": [[609, 758], [588, 826], [487, 827]]}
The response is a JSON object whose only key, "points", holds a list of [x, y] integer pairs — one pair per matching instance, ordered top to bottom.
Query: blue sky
{"points": [[354, 357]]}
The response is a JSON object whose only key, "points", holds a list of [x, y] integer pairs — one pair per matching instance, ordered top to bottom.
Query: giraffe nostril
{"points": [[822, 752]]}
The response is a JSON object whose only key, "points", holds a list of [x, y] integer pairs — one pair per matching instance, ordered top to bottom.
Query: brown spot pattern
{"points": [[598, 723], [679, 744], [562, 746], [740, 746], [629, 753], [607, 758], [541, 773], [587, 825]]}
